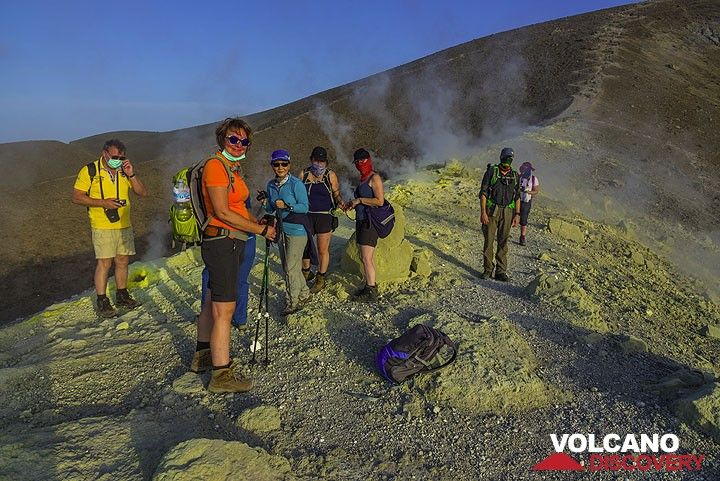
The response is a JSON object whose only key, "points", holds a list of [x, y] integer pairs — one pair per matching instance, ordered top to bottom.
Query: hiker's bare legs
{"points": [[323, 245], [366, 254], [121, 271], [102, 272], [220, 332]]}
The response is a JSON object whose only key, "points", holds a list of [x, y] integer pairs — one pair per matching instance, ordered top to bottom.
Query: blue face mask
{"points": [[232, 158], [114, 163], [317, 169]]}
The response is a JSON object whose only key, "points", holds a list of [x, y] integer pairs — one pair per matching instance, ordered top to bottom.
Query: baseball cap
{"points": [[319, 153], [280, 154], [361, 154]]}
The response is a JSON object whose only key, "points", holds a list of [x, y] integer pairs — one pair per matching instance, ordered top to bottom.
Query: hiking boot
{"points": [[522, 240], [308, 275], [486, 275], [502, 277], [319, 284], [369, 294], [123, 299], [104, 308], [292, 308], [202, 361], [225, 380]]}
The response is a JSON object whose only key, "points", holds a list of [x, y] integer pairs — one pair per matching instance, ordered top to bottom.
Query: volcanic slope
{"points": [[633, 88], [594, 333]]}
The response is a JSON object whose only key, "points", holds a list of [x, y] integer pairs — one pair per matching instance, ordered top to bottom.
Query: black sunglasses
{"points": [[234, 140], [118, 157], [280, 164]]}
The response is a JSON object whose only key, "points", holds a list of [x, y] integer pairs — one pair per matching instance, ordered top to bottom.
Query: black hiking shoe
{"points": [[522, 240], [486, 275], [502, 277], [368, 294], [124, 300], [104, 308]]}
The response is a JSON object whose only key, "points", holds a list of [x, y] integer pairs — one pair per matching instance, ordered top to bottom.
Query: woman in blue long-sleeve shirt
{"points": [[287, 195]]}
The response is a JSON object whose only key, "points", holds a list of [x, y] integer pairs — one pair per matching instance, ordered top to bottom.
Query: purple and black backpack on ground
{"points": [[382, 218], [419, 350]]}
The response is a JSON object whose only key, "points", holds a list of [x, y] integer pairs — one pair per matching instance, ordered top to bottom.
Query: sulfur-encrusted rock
{"points": [[565, 230], [393, 254], [420, 264], [562, 292], [711, 330], [634, 344], [495, 372], [702, 409], [260, 419], [205, 459]]}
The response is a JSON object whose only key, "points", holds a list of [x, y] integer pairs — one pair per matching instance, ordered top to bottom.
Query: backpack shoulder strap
{"points": [[227, 170], [92, 172], [305, 175]]}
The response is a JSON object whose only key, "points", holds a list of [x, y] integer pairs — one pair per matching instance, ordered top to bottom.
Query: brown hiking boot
{"points": [[522, 240], [319, 284], [123, 299], [104, 308], [202, 361], [225, 380]]}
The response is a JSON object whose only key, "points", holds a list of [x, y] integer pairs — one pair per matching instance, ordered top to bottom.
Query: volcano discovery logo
{"points": [[634, 452]]}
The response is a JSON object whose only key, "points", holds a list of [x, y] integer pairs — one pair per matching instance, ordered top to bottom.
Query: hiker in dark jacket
{"points": [[323, 191], [369, 193], [500, 209]]}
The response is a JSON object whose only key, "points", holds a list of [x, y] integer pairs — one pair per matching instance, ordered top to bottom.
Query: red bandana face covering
{"points": [[365, 168]]}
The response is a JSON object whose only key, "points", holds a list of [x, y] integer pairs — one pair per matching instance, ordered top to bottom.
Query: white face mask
{"points": [[231, 157]]}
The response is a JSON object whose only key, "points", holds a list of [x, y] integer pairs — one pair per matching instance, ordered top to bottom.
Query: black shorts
{"points": [[524, 212], [322, 223], [365, 233], [223, 257]]}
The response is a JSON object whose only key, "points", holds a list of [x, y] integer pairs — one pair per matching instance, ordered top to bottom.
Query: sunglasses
{"points": [[234, 140], [118, 157], [280, 164]]}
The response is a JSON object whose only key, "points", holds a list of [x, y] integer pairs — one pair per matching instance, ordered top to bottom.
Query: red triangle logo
{"points": [[558, 462]]}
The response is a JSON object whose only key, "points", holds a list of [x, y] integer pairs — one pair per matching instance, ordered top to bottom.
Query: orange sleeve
{"points": [[215, 175]]}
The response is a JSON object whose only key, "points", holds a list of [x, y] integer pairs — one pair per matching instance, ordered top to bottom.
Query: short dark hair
{"points": [[231, 123], [114, 143]]}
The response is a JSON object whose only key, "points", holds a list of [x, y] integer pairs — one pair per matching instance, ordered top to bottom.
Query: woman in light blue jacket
{"points": [[287, 197]]}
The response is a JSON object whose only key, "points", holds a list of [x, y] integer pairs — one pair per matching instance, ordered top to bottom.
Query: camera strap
{"points": [[116, 181]]}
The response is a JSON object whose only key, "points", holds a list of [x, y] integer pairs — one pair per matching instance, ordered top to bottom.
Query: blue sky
{"points": [[72, 69]]}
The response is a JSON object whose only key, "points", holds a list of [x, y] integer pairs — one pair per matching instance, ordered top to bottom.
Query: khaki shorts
{"points": [[109, 243]]}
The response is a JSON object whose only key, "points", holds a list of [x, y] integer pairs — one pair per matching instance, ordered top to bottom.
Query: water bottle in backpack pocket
{"points": [[418, 350]]}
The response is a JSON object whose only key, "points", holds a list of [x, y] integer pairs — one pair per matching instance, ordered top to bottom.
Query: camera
{"points": [[261, 196], [122, 202], [112, 215]]}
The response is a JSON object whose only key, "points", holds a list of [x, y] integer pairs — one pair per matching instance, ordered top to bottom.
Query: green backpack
{"points": [[493, 181], [187, 224]]}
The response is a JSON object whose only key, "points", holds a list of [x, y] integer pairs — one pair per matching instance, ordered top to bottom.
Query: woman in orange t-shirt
{"points": [[222, 251]]}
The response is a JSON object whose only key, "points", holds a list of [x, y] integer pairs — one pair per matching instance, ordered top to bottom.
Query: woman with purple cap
{"points": [[529, 186], [287, 197]]}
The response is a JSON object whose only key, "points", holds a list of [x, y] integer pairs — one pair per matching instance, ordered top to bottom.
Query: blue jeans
{"points": [[243, 286]]}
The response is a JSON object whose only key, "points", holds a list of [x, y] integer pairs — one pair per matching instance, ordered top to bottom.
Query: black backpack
{"points": [[418, 350]]}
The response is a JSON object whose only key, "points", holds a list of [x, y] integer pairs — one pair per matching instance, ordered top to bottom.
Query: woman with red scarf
{"points": [[369, 193]]}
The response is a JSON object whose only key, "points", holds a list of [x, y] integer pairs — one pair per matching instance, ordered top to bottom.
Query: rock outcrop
{"points": [[205, 459]]}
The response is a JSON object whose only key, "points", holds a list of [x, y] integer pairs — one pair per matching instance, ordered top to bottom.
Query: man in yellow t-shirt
{"points": [[104, 187]]}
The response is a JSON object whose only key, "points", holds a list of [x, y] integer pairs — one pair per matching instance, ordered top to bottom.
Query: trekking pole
{"points": [[263, 297]]}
